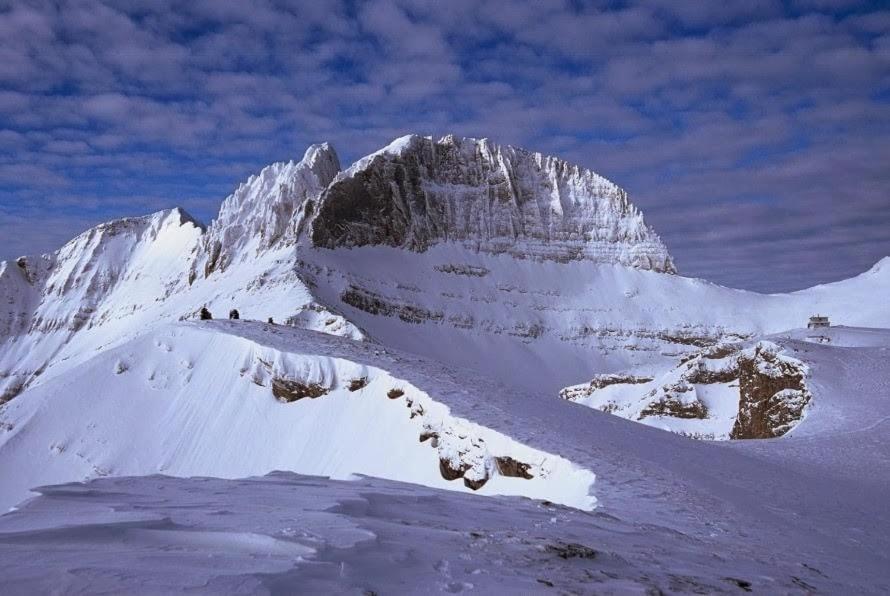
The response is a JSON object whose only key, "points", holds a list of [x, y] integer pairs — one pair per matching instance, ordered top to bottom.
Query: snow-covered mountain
{"points": [[417, 192], [458, 249], [105, 283], [437, 308]]}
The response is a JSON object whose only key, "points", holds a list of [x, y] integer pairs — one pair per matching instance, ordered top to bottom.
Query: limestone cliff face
{"points": [[417, 192], [772, 392]]}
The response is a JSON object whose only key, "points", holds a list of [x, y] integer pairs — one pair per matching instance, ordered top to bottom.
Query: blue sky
{"points": [[754, 135]]}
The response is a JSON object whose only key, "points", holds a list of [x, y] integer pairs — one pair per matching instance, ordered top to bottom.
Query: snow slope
{"points": [[112, 276], [547, 325], [194, 399], [672, 514]]}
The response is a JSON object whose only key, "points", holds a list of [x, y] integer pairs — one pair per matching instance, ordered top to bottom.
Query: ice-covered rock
{"points": [[266, 210]]}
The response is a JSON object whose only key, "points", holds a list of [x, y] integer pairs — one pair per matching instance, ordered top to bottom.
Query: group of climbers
{"points": [[206, 315]]}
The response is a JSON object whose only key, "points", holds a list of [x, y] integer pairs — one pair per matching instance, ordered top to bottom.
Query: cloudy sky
{"points": [[754, 135]]}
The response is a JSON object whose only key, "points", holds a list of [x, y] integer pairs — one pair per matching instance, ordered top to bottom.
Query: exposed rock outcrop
{"points": [[376, 304], [357, 384], [770, 389], [290, 390], [577, 392], [773, 392], [678, 400], [507, 466]]}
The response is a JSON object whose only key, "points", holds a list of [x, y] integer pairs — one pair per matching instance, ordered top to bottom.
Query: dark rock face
{"points": [[419, 192], [466, 270], [376, 304], [699, 372], [356, 384], [289, 390], [12, 391], [773, 393], [507, 466], [449, 471], [475, 484], [571, 550]]}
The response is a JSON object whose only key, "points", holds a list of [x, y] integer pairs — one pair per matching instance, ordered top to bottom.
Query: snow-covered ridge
{"points": [[417, 192], [267, 210], [112, 272], [200, 400]]}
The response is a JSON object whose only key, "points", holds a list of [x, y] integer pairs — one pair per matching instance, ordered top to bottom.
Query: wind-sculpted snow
{"points": [[498, 199], [267, 210], [674, 515], [286, 533]]}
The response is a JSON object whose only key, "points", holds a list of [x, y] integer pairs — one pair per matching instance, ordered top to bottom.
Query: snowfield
{"points": [[466, 339], [198, 400], [795, 514]]}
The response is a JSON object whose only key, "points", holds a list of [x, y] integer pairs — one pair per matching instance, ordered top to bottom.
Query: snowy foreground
{"points": [[803, 513], [286, 533]]}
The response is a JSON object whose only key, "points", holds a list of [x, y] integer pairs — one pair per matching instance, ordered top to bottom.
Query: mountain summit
{"points": [[417, 192]]}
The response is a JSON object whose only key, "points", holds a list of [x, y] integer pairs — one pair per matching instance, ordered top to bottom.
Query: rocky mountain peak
{"points": [[417, 192]]}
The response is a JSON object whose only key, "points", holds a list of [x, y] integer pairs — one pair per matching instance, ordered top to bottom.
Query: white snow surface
{"points": [[196, 399]]}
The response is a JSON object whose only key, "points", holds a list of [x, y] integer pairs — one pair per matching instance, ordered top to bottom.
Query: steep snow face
{"points": [[418, 192], [267, 210], [146, 255], [115, 273], [21, 284], [196, 400]]}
